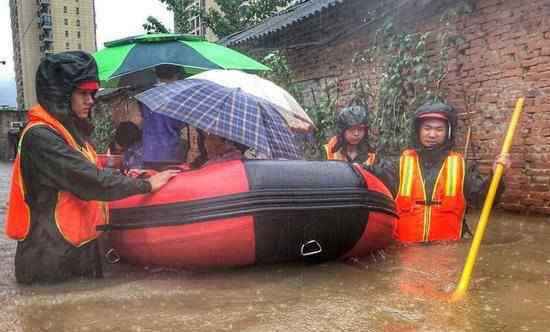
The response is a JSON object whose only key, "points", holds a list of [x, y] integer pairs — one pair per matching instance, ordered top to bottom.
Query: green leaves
{"points": [[184, 11], [236, 15], [228, 17], [154, 26], [398, 74], [103, 129]]}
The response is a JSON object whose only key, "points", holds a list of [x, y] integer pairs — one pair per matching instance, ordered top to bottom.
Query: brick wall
{"points": [[506, 55]]}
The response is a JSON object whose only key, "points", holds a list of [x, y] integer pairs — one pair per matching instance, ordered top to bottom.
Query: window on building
{"points": [[65, 9], [77, 10], [46, 20], [66, 21], [77, 23], [66, 33], [78, 34], [67, 45], [79, 46]]}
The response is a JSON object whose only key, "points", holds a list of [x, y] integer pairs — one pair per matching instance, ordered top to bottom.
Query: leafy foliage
{"points": [[184, 11], [236, 15], [229, 17], [154, 26], [280, 72], [401, 76], [322, 112], [323, 115], [103, 129]]}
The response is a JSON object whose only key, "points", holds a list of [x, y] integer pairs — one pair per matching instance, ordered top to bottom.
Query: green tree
{"points": [[184, 11], [232, 15], [236, 15], [154, 26], [401, 74], [322, 109]]}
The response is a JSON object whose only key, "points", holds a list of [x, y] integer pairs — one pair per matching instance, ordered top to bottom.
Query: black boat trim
{"points": [[235, 205]]}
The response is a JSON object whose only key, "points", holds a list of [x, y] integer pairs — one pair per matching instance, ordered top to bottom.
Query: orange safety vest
{"points": [[371, 157], [76, 219], [440, 220]]}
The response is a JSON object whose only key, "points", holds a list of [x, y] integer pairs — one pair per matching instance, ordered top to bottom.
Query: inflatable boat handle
{"points": [[315, 251], [111, 256]]}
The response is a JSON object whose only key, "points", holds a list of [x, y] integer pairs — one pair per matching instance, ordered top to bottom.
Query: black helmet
{"points": [[435, 110], [351, 116], [347, 118]]}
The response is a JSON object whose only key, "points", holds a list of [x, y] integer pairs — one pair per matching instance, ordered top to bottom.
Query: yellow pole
{"points": [[486, 211]]}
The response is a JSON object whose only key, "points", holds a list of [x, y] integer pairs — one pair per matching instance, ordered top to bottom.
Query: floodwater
{"points": [[399, 289]]}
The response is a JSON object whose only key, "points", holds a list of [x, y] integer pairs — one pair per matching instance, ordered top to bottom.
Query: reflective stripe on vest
{"points": [[329, 147], [439, 218], [76, 219]]}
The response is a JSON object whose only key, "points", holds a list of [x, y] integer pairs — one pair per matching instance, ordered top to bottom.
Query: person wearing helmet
{"points": [[351, 142], [431, 183], [57, 191]]}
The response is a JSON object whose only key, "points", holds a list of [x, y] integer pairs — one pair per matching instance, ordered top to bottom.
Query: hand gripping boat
{"points": [[238, 213]]}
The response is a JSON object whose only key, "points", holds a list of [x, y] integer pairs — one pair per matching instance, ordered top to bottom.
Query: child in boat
{"points": [[128, 140], [351, 142]]}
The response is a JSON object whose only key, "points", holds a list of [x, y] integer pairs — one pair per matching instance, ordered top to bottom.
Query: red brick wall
{"points": [[506, 55]]}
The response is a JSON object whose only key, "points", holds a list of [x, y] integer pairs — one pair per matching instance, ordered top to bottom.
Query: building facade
{"points": [[198, 26], [42, 27]]}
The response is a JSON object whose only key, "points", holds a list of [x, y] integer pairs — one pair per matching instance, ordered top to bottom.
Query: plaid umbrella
{"points": [[130, 61], [227, 112], [294, 115]]}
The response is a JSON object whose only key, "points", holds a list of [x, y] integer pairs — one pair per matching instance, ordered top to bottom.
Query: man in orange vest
{"points": [[351, 142], [432, 184], [57, 191]]}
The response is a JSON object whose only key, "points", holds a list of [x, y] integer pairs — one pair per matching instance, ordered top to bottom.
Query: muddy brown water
{"points": [[399, 289]]}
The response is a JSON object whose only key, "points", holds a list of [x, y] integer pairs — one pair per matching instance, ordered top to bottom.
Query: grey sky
{"points": [[114, 18]]}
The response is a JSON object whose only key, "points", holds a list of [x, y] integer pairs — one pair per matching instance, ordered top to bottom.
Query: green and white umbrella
{"points": [[130, 61]]}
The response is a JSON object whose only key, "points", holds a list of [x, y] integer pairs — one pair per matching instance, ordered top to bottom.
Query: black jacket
{"points": [[431, 160], [50, 165]]}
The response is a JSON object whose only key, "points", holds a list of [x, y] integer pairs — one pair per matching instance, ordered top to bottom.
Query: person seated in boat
{"points": [[128, 140], [162, 142], [351, 142], [114, 148], [215, 149], [431, 182], [54, 217]]}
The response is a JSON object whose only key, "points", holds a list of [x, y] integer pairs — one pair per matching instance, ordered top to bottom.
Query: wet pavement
{"points": [[399, 289]]}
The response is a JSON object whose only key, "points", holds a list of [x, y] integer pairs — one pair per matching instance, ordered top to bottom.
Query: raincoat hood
{"points": [[56, 78], [434, 110]]}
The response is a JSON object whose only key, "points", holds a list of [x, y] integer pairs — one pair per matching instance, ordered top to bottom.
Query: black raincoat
{"points": [[431, 160], [50, 165]]}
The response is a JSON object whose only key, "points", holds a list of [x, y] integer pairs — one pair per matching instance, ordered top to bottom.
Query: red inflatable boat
{"points": [[239, 213]]}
